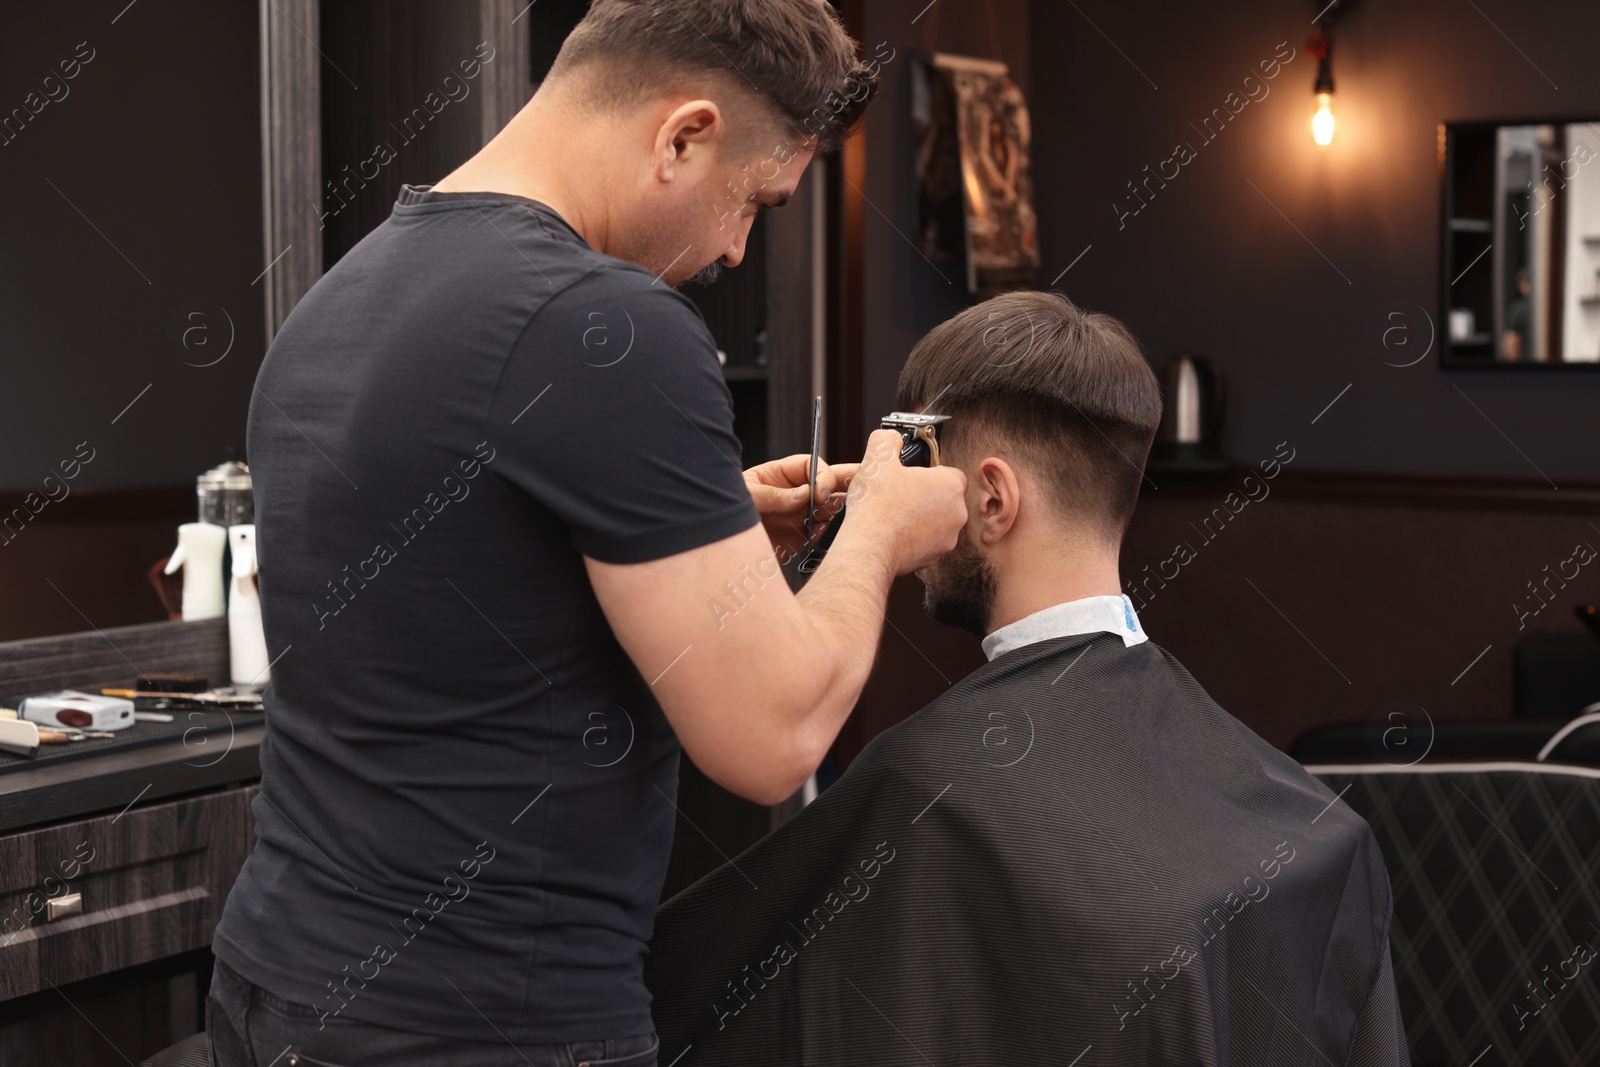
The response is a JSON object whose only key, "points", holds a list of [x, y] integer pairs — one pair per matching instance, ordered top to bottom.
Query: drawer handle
{"points": [[61, 907]]}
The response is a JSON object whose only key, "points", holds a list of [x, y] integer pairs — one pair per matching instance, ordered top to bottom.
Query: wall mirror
{"points": [[1520, 271]]}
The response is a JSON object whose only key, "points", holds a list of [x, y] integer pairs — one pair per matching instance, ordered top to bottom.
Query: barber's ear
{"points": [[687, 137], [997, 495]]}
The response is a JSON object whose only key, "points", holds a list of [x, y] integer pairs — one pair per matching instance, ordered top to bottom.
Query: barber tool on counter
{"points": [[921, 437], [225, 499], [200, 551], [218, 557], [247, 641], [153, 694], [77, 711], [69, 715], [19, 737]]}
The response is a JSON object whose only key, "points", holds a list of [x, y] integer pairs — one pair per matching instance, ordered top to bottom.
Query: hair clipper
{"points": [[921, 436]]}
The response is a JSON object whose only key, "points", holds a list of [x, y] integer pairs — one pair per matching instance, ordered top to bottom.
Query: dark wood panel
{"points": [[384, 59], [292, 73], [504, 84], [847, 213], [790, 332], [1415, 490], [112, 657], [108, 782], [152, 882], [113, 1019]]}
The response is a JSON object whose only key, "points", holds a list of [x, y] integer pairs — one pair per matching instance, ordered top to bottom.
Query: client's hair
{"points": [[793, 53], [1066, 393]]}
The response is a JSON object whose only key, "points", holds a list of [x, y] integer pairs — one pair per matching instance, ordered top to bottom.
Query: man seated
{"points": [[1073, 856]]}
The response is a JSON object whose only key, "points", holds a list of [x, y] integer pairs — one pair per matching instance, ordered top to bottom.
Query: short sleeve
{"points": [[612, 412]]}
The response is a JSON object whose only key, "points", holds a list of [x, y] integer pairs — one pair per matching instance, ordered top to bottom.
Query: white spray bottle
{"points": [[199, 553], [247, 641]]}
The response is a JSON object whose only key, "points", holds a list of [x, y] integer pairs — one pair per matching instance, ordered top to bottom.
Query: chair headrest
{"points": [[1576, 742]]}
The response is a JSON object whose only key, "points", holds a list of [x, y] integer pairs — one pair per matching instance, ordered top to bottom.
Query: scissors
{"points": [[816, 441]]}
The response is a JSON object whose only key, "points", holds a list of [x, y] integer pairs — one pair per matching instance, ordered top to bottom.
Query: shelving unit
{"points": [[1469, 208]]}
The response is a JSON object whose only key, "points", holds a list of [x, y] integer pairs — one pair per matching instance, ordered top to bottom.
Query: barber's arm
{"points": [[755, 680]]}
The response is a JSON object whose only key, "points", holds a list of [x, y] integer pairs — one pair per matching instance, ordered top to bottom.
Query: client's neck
{"points": [[1030, 581]]}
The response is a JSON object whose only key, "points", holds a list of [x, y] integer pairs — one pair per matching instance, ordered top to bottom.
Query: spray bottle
{"points": [[247, 642]]}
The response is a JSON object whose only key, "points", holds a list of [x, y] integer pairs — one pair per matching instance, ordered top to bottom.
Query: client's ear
{"points": [[994, 497]]}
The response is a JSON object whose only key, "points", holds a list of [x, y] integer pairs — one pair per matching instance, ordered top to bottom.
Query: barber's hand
{"points": [[780, 491], [913, 515]]}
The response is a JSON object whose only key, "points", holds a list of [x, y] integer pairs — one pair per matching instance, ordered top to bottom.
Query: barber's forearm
{"points": [[844, 605], [807, 679]]}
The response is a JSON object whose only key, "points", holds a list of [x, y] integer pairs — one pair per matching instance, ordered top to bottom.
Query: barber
{"points": [[509, 562]]}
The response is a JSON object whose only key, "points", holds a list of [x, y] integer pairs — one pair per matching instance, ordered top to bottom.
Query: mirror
{"points": [[1521, 249]]}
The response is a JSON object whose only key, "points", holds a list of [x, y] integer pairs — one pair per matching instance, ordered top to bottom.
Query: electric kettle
{"points": [[1194, 404]]}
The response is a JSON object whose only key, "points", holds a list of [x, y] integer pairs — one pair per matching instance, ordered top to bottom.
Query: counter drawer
{"points": [[149, 882]]}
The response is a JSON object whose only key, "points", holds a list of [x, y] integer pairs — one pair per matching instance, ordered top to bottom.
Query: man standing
{"points": [[500, 517]]}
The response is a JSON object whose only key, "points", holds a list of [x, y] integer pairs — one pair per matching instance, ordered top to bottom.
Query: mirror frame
{"points": [[1447, 361]]}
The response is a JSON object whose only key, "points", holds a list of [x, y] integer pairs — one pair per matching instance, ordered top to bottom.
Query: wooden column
{"points": [[291, 154]]}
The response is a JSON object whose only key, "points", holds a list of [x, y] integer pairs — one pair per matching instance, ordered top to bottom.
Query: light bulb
{"points": [[1322, 122]]}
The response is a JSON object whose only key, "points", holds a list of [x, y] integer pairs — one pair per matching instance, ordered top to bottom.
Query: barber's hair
{"points": [[793, 54], [1066, 393]]}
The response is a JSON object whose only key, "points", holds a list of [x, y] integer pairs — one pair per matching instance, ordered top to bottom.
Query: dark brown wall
{"points": [[1228, 258], [82, 563], [1341, 598]]}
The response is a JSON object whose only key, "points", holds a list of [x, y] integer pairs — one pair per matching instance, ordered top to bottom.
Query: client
{"points": [[1073, 856]]}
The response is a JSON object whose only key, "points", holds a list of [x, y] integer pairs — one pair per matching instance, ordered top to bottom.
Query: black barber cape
{"points": [[1072, 857]]}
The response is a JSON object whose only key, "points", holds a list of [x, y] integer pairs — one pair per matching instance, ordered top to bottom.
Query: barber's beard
{"points": [[674, 238], [667, 243], [708, 274], [959, 588]]}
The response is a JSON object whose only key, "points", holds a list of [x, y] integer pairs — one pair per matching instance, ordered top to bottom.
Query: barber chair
{"points": [[1555, 674], [1557, 679], [1380, 741], [1576, 742], [1492, 865], [192, 1051]]}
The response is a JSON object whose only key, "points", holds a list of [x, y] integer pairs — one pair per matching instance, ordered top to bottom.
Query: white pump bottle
{"points": [[199, 553], [247, 642]]}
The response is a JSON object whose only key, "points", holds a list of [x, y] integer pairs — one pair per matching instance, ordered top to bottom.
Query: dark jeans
{"points": [[249, 1027]]}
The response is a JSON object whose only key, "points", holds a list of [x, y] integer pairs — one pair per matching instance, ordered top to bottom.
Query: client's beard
{"points": [[959, 589]]}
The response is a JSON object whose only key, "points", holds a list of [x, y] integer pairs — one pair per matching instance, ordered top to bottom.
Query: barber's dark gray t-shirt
{"points": [[467, 787]]}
